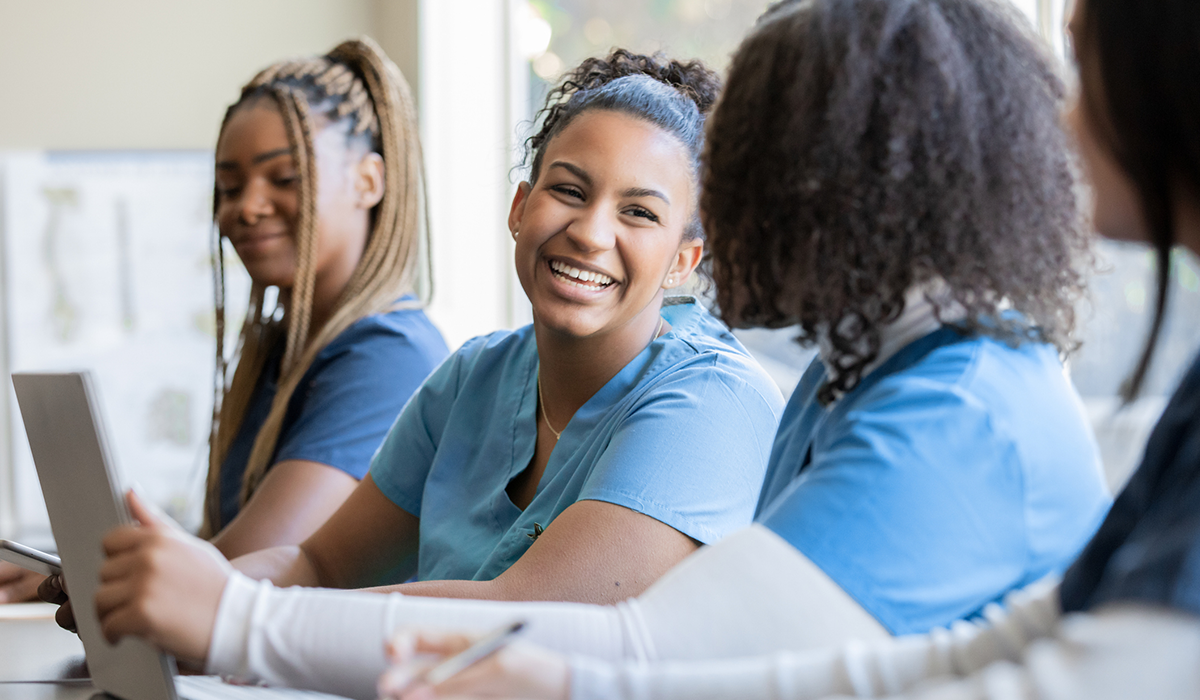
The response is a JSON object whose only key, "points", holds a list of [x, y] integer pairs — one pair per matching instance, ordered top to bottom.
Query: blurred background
{"points": [[111, 113]]}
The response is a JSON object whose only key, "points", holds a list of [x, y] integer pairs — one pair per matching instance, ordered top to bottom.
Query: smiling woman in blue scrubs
{"points": [[675, 435], [580, 457]]}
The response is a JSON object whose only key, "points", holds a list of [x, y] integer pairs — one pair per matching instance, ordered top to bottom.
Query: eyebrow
{"points": [[260, 158], [574, 170], [587, 180], [645, 192]]}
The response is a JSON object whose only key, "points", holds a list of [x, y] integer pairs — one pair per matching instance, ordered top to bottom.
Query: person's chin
{"points": [[270, 276]]}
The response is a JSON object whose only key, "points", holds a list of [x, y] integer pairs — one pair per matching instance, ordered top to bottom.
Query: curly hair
{"points": [[673, 95], [864, 147]]}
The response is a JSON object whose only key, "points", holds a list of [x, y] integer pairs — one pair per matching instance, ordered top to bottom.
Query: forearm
{"points": [[294, 499], [283, 566], [499, 589], [737, 596], [334, 640], [1115, 653], [854, 669]]}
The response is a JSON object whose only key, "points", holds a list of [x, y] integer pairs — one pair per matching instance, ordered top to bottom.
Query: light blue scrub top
{"points": [[682, 434], [958, 470]]}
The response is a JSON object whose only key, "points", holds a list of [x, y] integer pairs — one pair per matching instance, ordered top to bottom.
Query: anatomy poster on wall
{"points": [[108, 267]]}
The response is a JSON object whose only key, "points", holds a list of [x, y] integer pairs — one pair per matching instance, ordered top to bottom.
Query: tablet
{"points": [[84, 497], [29, 558]]}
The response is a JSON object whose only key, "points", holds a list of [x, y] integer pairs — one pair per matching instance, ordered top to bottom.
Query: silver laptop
{"points": [[84, 497]]}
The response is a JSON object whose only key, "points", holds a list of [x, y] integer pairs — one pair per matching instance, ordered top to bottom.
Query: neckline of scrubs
{"points": [[679, 314], [815, 414]]}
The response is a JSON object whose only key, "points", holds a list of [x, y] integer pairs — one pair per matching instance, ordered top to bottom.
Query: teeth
{"points": [[593, 278]]}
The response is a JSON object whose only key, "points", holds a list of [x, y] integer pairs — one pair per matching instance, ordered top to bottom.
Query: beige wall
{"points": [[122, 74]]}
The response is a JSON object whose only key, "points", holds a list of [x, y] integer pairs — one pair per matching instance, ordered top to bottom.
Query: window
{"points": [[706, 29], [1112, 321]]}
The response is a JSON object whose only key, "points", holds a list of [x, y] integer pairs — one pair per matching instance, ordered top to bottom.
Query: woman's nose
{"points": [[255, 204], [594, 230]]}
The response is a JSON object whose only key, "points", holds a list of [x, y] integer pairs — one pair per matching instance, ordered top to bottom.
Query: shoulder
{"points": [[407, 329], [497, 347], [700, 348], [488, 360], [977, 373], [982, 395]]}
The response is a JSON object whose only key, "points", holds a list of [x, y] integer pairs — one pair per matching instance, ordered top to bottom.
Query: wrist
{"points": [[228, 636]]}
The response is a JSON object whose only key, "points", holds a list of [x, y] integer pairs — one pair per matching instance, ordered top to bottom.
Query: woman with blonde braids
{"points": [[318, 181], [318, 189]]}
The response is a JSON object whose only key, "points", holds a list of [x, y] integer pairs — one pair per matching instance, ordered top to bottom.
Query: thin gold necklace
{"points": [[542, 402]]}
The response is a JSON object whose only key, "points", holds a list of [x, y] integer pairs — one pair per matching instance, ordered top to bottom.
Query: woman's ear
{"points": [[369, 183], [518, 208], [686, 259]]}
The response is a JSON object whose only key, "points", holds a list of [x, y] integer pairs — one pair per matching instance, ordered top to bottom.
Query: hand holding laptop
{"points": [[135, 575], [158, 583], [161, 584]]}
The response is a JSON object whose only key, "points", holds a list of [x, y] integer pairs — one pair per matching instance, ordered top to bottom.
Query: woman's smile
{"points": [[257, 243], [578, 279]]}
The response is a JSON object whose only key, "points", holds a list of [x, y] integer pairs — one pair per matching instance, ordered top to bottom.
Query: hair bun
{"points": [[693, 78], [692, 83], [673, 96]]}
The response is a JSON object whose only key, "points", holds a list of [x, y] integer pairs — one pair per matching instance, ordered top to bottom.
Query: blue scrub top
{"points": [[346, 401], [682, 434], [958, 470]]}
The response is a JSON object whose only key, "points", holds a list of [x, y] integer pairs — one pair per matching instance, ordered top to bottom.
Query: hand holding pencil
{"points": [[428, 665]]}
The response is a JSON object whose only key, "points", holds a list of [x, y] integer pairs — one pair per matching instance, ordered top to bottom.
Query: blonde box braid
{"points": [[355, 81]]}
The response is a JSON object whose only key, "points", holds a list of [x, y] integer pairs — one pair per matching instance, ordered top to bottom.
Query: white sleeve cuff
{"points": [[227, 651], [593, 679]]}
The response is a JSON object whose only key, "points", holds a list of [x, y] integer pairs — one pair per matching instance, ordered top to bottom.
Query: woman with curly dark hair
{"points": [[893, 178]]}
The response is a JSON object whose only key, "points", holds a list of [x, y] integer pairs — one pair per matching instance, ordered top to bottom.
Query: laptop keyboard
{"points": [[213, 688]]}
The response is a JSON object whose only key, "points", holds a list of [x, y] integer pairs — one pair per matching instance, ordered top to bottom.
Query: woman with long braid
{"points": [[318, 189]]}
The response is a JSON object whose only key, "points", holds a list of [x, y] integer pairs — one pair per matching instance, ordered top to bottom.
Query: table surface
{"points": [[38, 660]]}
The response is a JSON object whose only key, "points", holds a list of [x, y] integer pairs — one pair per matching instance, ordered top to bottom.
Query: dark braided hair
{"points": [[357, 88], [673, 95], [865, 147]]}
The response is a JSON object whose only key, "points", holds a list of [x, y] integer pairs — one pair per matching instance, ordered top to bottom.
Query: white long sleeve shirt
{"points": [[749, 594], [1024, 651]]}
